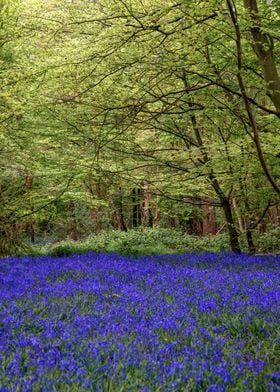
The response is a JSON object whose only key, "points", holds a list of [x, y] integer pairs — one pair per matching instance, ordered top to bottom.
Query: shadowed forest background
{"points": [[159, 116]]}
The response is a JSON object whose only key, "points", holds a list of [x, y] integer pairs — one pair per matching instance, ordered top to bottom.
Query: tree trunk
{"points": [[252, 7], [263, 48], [95, 189], [225, 203], [146, 204], [136, 207], [118, 212], [97, 213], [155, 216], [275, 216], [240, 219], [120, 220], [171, 221], [205, 223], [209, 225], [73, 226], [233, 234], [250, 242]]}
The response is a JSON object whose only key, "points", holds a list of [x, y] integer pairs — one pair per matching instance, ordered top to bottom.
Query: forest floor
{"points": [[104, 322]]}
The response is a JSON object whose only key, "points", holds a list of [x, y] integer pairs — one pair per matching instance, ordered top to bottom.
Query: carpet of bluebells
{"points": [[103, 322]]}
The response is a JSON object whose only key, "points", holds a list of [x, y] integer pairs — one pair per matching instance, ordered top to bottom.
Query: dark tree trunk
{"points": [[95, 189], [225, 203], [146, 204], [136, 207], [118, 212], [97, 213], [275, 216], [120, 220], [172, 221], [195, 224], [73, 225], [209, 225], [31, 230], [233, 234], [250, 241]]}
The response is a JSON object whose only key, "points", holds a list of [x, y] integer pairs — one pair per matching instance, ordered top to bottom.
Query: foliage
{"points": [[100, 102], [152, 241], [269, 242], [136, 243], [163, 323]]}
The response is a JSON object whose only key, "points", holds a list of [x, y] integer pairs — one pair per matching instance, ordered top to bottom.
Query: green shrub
{"points": [[138, 242], [269, 242], [64, 248]]}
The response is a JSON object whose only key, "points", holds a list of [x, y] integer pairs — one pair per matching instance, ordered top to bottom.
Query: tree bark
{"points": [[263, 48], [247, 104], [224, 199], [146, 204], [136, 207], [118, 212], [275, 216], [120, 220], [73, 225], [209, 225], [233, 234], [250, 241]]}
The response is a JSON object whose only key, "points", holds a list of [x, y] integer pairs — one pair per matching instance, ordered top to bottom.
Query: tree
{"points": [[169, 28], [129, 107]]}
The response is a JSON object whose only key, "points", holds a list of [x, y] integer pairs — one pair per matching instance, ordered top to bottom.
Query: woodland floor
{"points": [[103, 322]]}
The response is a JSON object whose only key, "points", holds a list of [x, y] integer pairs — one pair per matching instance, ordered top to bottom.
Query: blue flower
{"points": [[159, 322]]}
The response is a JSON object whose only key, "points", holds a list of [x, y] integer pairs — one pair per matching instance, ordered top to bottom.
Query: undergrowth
{"points": [[141, 241]]}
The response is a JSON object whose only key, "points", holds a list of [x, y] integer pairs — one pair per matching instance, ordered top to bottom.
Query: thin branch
{"points": [[49, 203]]}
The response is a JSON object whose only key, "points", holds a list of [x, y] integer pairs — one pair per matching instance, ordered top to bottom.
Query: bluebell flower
{"points": [[164, 320]]}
